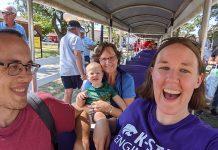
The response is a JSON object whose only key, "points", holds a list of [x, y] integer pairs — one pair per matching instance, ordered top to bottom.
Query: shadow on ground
{"points": [[56, 89]]}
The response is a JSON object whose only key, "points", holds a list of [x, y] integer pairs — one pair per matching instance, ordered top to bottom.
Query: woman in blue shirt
{"points": [[109, 58]]}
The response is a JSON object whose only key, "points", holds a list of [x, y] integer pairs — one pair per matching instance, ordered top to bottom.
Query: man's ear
{"points": [[200, 80]]}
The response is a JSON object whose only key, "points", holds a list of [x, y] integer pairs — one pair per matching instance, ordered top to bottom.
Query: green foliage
{"points": [[214, 11], [46, 17], [189, 27]]}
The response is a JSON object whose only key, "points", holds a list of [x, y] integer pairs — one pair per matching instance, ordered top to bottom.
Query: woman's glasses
{"points": [[110, 59]]}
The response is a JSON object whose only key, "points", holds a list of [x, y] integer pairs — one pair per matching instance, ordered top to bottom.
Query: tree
{"points": [[214, 11], [48, 18], [189, 27]]}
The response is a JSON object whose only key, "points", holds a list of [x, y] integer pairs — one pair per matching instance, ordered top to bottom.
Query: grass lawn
{"points": [[48, 49], [56, 88]]}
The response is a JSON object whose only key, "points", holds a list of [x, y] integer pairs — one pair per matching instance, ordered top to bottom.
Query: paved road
{"points": [[49, 70]]}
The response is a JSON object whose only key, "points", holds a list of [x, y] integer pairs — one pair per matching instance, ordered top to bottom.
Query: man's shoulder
{"points": [[2, 25], [17, 25], [72, 37], [45, 97], [54, 103], [63, 113]]}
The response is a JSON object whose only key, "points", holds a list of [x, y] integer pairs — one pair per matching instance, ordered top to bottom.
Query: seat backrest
{"points": [[137, 71]]}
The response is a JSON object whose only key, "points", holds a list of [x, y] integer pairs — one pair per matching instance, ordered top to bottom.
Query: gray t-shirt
{"points": [[68, 44]]}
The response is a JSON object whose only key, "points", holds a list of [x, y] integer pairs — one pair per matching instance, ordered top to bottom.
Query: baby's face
{"points": [[95, 75]]}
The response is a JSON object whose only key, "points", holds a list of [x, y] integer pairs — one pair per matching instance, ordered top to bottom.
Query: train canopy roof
{"points": [[150, 17]]}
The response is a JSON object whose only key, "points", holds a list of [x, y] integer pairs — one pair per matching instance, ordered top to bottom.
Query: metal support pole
{"points": [[204, 25], [171, 28], [110, 30], [93, 31], [102, 34], [31, 39], [127, 46]]}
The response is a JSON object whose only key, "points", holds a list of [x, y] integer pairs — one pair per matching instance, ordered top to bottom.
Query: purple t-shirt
{"points": [[138, 129]]}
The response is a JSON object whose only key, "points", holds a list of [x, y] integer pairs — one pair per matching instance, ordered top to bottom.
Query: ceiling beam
{"points": [[184, 4], [142, 5], [149, 15], [152, 21], [150, 25]]}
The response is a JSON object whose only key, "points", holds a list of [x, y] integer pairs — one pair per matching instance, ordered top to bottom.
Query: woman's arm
{"points": [[128, 89], [119, 101], [128, 101]]}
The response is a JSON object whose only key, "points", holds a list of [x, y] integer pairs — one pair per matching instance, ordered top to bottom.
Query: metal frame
{"points": [[142, 5], [129, 17], [131, 24]]}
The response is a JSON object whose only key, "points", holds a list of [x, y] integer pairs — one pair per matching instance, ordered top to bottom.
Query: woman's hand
{"points": [[101, 106], [106, 108], [102, 135]]}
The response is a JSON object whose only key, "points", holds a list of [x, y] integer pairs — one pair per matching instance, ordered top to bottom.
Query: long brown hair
{"points": [[198, 98]]}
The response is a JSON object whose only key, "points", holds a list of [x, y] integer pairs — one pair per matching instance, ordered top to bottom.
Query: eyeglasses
{"points": [[7, 13], [110, 59], [16, 68]]}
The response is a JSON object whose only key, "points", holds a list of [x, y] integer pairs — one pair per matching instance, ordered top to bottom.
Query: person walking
{"points": [[89, 45], [71, 60]]}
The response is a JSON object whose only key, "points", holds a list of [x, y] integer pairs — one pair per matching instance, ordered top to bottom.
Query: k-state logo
{"points": [[129, 130]]}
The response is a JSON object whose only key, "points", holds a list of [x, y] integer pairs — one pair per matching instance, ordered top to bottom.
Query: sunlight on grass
{"points": [[48, 49]]}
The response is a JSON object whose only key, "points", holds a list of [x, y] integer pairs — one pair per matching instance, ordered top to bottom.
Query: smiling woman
{"points": [[168, 51], [161, 118]]}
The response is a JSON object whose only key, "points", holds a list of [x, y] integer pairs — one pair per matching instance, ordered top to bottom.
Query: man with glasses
{"points": [[9, 14], [20, 126]]}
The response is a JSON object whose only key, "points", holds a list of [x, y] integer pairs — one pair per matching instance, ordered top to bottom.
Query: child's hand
{"points": [[82, 95], [80, 98]]}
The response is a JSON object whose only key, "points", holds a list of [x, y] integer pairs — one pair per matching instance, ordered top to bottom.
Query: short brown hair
{"points": [[101, 48], [198, 98]]}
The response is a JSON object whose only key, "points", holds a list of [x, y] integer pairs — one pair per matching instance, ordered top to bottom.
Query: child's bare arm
{"points": [[80, 99], [120, 102]]}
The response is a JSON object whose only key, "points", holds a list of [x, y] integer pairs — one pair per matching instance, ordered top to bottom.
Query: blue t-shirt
{"points": [[16, 27], [87, 42], [68, 44], [124, 85], [138, 129]]}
